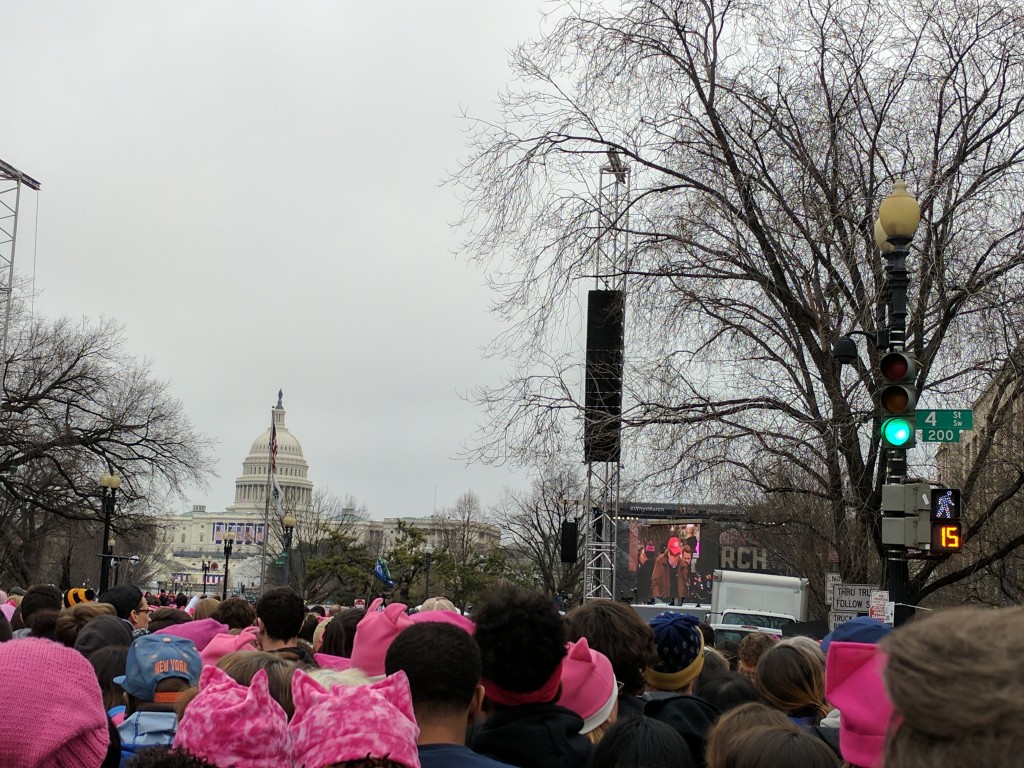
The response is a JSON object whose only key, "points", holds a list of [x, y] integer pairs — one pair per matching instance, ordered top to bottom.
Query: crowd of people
{"points": [[149, 681]]}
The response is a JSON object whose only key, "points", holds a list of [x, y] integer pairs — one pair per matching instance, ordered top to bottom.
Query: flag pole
{"points": [[266, 504]]}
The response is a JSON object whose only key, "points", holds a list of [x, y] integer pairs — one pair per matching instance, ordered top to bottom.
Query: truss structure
{"points": [[11, 182], [603, 477]]}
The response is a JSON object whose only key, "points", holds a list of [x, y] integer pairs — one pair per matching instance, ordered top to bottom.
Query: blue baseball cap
{"points": [[862, 629], [154, 658]]}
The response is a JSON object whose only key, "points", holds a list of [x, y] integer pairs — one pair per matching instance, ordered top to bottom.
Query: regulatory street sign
{"points": [[943, 419], [831, 579], [852, 597], [835, 618]]}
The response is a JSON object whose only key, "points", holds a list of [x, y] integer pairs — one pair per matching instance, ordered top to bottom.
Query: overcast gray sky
{"points": [[252, 189]]}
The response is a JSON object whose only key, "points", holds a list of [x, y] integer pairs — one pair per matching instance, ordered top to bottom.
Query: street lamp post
{"points": [[898, 219], [108, 487], [288, 525], [229, 543], [428, 553], [206, 570]]}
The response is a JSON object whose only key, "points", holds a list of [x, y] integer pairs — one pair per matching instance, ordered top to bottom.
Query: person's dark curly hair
{"points": [[282, 611], [236, 613], [162, 618], [617, 631], [521, 638], [442, 663]]}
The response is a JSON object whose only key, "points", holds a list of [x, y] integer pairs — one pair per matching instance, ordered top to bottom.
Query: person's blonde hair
{"points": [[206, 608], [318, 633], [242, 666], [790, 677], [329, 678], [956, 681], [736, 721]]}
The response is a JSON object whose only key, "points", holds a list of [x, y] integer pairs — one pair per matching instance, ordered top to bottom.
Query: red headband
{"points": [[542, 695]]}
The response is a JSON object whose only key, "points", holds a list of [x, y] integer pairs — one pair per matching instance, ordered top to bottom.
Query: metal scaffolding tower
{"points": [[11, 181], [603, 476]]}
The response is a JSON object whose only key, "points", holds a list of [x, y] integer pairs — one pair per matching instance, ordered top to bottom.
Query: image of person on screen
{"points": [[644, 569], [671, 572]]}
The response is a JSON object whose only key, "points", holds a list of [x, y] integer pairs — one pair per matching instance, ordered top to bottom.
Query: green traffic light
{"points": [[897, 432]]}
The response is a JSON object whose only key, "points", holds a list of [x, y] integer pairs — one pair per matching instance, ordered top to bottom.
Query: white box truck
{"points": [[757, 599]]}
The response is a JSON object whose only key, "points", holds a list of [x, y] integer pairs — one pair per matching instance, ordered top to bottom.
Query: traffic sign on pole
{"points": [[946, 419]]}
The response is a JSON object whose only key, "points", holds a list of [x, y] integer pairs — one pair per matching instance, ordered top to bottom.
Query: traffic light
{"points": [[897, 398], [947, 533]]}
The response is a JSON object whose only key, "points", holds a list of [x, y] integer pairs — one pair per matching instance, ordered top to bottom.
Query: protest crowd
{"points": [[138, 680]]}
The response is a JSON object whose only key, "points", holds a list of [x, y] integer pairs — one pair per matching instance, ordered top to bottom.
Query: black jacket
{"points": [[691, 716], [534, 736]]}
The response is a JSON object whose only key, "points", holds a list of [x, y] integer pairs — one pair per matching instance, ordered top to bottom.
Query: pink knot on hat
{"points": [[200, 631], [374, 634], [224, 643], [327, 661], [854, 684], [588, 685], [53, 714], [228, 723], [353, 723]]}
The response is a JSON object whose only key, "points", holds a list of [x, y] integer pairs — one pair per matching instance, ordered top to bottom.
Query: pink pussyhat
{"points": [[444, 617], [199, 631], [374, 634], [221, 645], [328, 661], [854, 684], [588, 685], [228, 723], [353, 723]]}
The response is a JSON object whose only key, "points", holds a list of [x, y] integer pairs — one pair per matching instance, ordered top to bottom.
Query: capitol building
{"points": [[198, 536]]}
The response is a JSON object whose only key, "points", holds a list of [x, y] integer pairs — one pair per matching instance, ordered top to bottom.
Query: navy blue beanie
{"points": [[680, 645]]}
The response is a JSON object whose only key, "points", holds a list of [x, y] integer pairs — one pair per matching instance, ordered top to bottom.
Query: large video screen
{"points": [[661, 561]]}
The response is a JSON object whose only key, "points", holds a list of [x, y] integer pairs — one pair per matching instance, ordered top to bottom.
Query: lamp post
{"points": [[898, 218], [108, 487], [288, 525], [229, 543], [428, 552], [206, 570]]}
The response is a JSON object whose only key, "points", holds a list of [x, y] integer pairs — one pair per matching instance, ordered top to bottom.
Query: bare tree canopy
{"points": [[760, 140], [77, 405]]}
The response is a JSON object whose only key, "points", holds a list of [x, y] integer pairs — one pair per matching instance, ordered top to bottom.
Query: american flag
{"points": [[273, 447]]}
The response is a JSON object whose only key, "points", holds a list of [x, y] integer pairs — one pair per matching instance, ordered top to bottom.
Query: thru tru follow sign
{"points": [[855, 598]]}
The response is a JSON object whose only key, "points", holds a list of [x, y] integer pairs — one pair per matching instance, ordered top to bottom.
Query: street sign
{"points": [[943, 419], [929, 435], [831, 579], [852, 597], [877, 605], [835, 618]]}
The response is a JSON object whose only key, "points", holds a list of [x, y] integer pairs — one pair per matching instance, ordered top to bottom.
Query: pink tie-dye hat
{"points": [[374, 634], [223, 644], [353, 723], [231, 724]]}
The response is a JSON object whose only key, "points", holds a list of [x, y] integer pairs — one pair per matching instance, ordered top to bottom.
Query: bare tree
{"points": [[759, 147], [76, 405], [531, 525], [465, 560]]}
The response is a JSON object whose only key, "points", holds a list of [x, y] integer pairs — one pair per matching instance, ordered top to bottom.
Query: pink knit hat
{"points": [[444, 617], [200, 632], [374, 634], [221, 645], [328, 661], [854, 684], [588, 685], [52, 709], [353, 723], [232, 724]]}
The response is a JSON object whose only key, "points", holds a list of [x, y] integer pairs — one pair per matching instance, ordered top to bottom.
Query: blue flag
{"points": [[381, 572]]}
